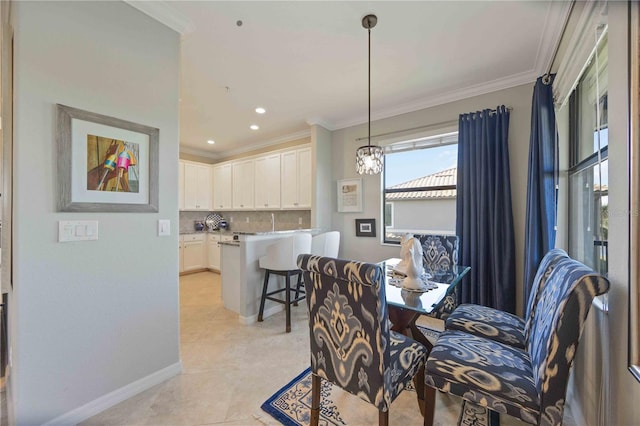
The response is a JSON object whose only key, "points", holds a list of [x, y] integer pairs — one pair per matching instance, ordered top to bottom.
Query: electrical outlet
{"points": [[231, 219], [247, 220], [299, 221]]}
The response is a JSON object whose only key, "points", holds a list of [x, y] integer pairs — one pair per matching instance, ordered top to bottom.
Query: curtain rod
{"points": [[547, 76], [427, 126], [394, 132]]}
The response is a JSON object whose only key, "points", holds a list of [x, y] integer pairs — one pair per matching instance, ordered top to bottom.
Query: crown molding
{"points": [[162, 12], [554, 26], [580, 48], [447, 97], [320, 122], [268, 143], [245, 149], [199, 152]]}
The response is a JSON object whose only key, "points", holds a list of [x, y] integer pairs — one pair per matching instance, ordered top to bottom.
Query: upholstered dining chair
{"points": [[439, 257], [280, 259], [505, 327], [351, 343], [528, 383]]}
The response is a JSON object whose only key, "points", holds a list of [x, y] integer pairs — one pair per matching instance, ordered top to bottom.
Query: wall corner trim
{"points": [[98, 405]]}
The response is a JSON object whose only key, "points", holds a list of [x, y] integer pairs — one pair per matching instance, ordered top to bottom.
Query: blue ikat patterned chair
{"points": [[439, 257], [501, 326], [351, 343], [528, 383]]}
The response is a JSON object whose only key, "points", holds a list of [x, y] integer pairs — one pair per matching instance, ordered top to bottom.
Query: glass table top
{"points": [[420, 301]]}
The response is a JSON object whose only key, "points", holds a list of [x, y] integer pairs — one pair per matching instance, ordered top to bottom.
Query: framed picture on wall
{"points": [[105, 164], [350, 195], [365, 227]]}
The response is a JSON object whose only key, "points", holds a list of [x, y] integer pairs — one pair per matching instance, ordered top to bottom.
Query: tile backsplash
{"points": [[252, 221]]}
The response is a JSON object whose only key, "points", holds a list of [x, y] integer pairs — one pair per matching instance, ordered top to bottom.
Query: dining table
{"points": [[406, 306]]}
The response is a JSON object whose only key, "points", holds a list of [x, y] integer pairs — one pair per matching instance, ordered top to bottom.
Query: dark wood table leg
{"points": [[404, 321]]}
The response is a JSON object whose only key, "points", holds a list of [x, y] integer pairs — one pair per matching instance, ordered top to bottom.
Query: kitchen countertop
{"points": [[286, 231], [206, 232]]}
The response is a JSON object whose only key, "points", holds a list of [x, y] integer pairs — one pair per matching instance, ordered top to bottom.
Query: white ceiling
{"points": [[306, 61]]}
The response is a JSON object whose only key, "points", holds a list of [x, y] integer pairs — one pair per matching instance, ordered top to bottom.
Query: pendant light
{"points": [[369, 157]]}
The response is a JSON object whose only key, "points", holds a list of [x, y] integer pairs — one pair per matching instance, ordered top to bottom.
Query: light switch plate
{"points": [[164, 227], [77, 230]]}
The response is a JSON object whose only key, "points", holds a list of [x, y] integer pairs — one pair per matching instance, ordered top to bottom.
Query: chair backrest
{"points": [[326, 244], [439, 253], [283, 254], [546, 266], [348, 327], [556, 327]]}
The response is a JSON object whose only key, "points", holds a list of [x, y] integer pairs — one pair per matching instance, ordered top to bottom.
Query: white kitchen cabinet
{"points": [[295, 179], [243, 182], [267, 182], [196, 184], [180, 186], [222, 187], [194, 250], [213, 251], [180, 255]]}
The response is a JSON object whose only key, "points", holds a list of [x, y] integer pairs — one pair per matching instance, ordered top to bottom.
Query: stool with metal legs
{"points": [[280, 259]]}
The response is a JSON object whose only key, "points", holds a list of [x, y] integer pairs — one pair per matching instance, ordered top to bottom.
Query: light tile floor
{"points": [[230, 369]]}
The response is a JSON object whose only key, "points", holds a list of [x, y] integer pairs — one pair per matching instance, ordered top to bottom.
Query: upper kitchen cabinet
{"points": [[295, 179], [243, 181], [267, 182], [196, 186], [222, 187]]}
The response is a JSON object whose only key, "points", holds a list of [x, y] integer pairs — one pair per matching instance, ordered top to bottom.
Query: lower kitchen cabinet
{"points": [[194, 251], [213, 251]]}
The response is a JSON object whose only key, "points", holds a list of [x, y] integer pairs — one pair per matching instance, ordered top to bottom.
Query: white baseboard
{"points": [[267, 313], [112, 398]]}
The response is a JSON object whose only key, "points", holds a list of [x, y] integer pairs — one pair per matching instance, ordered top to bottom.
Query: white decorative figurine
{"points": [[405, 255], [414, 269]]}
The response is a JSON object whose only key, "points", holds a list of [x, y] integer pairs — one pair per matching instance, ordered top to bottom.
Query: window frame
{"points": [[442, 138]]}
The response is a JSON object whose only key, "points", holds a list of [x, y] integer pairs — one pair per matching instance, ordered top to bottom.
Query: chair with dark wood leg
{"points": [[352, 345], [529, 383]]}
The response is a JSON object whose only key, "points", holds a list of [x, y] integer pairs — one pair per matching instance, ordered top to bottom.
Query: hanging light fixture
{"points": [[369, 157]]}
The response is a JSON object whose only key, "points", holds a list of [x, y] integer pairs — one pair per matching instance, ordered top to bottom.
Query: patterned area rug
{"points": [[291, 406]]}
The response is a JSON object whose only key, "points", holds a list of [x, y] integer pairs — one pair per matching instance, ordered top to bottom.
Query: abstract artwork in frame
{"points": [[105, 164]]}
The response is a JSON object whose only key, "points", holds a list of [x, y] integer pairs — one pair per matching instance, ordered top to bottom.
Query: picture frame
{"points": [[105, 164], [350, 195], [634, 196], [365, 227]]}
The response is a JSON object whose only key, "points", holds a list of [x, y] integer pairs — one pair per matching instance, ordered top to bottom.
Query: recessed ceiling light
{"points": [[260, 110], [254, 127], [211, 142]]}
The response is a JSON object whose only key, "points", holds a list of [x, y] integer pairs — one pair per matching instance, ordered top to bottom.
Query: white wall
{"points": [[343, 157], [321, 158], [436, 215], [90, 318]]}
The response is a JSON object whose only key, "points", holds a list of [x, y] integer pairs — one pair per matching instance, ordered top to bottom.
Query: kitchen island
{"points": [[242, 277]]}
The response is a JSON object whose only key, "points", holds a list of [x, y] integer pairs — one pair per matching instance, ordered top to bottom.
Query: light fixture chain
{"points": [[369, 92]]}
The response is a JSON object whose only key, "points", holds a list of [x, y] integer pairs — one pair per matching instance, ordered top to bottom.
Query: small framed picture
{"points": [[350, 195], [365, 227]]}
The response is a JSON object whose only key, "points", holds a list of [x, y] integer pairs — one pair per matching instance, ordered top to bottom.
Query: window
{"points": [[589, 165], [420, 187]]}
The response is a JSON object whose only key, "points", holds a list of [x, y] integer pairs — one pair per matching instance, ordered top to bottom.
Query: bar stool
{"points": [[326, 245], [281, 259]]}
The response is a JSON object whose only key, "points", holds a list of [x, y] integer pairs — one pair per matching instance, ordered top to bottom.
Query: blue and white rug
{"points": [[291, 406]]}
